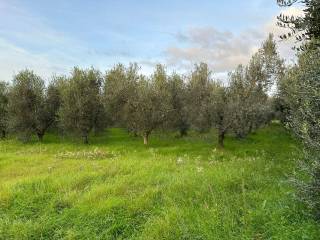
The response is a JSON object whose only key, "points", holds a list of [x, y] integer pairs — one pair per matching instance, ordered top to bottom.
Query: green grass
{"points": [[116, 188]]}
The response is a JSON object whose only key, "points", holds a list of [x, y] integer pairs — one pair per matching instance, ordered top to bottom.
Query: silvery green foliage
{"points": [[302, 28], [119, 86], [161, 86], [249, 88], [115, 91], [199, 91], [301, 92], [303, 96], [26, 99], [249, 103], [243, 106], [32, 107], [149, 107], [3, 109], [49, 109], [220, 109], [82, 111], [141, 111], [178, 119], [309, 184]]}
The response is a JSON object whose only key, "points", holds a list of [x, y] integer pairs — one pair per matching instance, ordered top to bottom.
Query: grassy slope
{"points": [[172, 189]]}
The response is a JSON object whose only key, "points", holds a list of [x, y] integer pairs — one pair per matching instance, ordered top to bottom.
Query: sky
{"points": [[51, 37]]}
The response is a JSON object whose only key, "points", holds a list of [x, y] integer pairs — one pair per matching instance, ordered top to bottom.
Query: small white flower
{"points": [[179, 160], [199, 169]]}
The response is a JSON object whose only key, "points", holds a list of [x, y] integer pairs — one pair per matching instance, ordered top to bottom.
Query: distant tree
{"points": [[302, 28], [269, 61], [133, 77], [252, 84], [119, 86], [161, 87], [115, 92], [199, 94], [178, 95], [242, 100], [249, 103], [243, 105], [25, 107], [32, 107], [149, 108], [3, 109], [279, 109], [49, 110], [82, 110], [141, 111], [221, 116]]}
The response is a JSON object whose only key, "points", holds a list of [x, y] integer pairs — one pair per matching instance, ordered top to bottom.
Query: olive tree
{"points": [[302, 28], [118, 87], [161, 87], [249, 87], [301, 92], [178, 97], [198, 97], [249, 103], [243, 105], [25, 106], [32, 106], [149, 107], [3, 109], [81, 109], [49, 110], [221, 110]]}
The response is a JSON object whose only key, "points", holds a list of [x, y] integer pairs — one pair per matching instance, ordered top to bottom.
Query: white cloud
{"points": [[27, 41], [224, 50]]}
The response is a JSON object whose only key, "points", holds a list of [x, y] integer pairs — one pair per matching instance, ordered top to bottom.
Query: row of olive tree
{"points": [[87, 100], [243, 105], [29, 107]]}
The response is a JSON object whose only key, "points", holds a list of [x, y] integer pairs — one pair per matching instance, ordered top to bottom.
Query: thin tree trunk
{"points": [[250, 128], [183, 132], [3, 134], [40, 136], [240, 136], [145, 138], [221, 138], [85, 139]]}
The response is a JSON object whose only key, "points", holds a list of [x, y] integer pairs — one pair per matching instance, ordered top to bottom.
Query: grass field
{"points": [[116, 188]]}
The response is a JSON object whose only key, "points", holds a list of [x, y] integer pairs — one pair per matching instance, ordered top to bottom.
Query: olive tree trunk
{"points": [[3, 134], [40, 136], [221, 137], [146, 138], [85, 139]]}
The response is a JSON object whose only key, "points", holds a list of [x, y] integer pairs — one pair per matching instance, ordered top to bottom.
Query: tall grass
{"points": [[116, 188]]}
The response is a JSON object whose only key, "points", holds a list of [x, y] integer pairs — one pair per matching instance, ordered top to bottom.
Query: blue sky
{"points": [[53, 36]]}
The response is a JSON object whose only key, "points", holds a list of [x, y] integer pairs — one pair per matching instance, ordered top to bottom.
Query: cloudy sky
{"points": [[53, 36]]}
